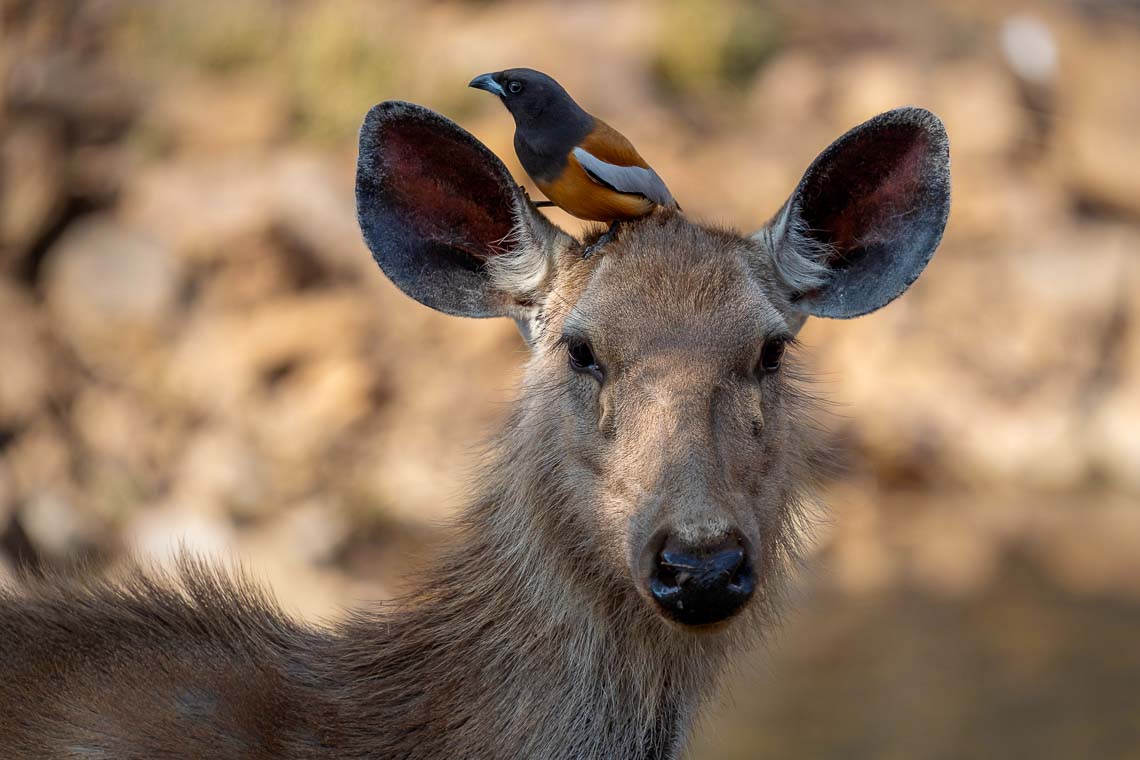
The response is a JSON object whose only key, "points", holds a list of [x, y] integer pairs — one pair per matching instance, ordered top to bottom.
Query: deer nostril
{"points": [[742, 574], [698, 586]]}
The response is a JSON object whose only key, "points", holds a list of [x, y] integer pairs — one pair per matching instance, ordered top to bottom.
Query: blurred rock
{"points": [[1030, 48], [871, 83], [789, 91], [88, 95], [979, 104], [207, 116], [1099, 116], [32, 174], [95, 174], [315, 204], [992, 204], [199, 208], [206, 209], [256, 268], [109, 287], [224, 359], [993, 362], [27, 379], [313, 406], [108, 423], [1115, 437], [38, 459], [220, 467], [124, 468], [422, 477], [57, 523], [181, 526], [314, 531], [855, 544], [948, 549], [1090, 551]]}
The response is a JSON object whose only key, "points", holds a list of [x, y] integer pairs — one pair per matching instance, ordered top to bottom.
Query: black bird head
{"points": [[534, 99]]}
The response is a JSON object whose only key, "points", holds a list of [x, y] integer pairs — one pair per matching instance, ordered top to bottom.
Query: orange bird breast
{"points": [[575, 192]]}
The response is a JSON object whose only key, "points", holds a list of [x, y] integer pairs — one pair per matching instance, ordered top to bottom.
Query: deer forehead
{"points": [[676, 289]]}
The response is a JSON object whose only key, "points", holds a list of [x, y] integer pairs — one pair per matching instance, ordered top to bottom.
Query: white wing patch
{"points": [[625, 179]]}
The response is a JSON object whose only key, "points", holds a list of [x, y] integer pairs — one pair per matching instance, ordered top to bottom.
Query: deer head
{"points": [[660, 392]]}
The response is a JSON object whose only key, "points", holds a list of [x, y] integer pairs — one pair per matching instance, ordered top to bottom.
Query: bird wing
{"points": [[610, 159], [641, 180]]}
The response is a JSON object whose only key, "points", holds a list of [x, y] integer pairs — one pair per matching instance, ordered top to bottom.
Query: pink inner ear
{"points": [[884, 185], [447, 189]]}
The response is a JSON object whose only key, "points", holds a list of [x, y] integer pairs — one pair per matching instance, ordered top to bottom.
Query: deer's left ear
{"points": [[866, 217]]}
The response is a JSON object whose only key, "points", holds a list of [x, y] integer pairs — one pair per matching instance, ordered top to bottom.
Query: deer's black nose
{"points": [[701, 585]]}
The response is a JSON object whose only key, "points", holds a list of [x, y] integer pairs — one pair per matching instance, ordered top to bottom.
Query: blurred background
{"points": [[195, 346]]}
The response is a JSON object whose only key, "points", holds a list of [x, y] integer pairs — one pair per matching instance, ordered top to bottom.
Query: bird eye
{"points": [[514, 87], [772, 354], [582, 358]]}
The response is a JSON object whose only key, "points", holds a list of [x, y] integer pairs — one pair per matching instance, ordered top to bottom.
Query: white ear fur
{"points": [[799, 259], [525, 270]]}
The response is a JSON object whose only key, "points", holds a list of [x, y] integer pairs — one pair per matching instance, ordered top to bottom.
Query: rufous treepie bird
{"points": [[585, 166]]}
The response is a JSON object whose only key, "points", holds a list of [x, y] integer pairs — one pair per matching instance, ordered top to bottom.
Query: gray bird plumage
{"points": [[625, 179]]}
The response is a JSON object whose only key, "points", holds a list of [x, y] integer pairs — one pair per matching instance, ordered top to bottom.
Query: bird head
{"points": [[529, 95]]}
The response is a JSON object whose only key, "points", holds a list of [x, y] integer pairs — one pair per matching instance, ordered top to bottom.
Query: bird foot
{"points": [[536, 204], [606, 237]]}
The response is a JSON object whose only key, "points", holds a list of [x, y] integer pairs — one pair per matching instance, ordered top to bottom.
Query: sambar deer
{"points": [[627, 538]]}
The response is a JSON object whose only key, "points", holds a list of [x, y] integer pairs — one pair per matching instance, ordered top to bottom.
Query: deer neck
{"points": [[515, 646]]}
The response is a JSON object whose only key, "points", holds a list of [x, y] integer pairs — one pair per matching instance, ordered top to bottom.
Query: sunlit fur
{"points": [[528, 638]]}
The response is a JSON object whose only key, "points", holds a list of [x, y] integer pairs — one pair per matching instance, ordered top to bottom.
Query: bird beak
{"points": [[487, 82]]}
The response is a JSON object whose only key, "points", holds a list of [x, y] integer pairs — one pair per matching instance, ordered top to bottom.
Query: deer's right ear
{"points": [[437, 208]]}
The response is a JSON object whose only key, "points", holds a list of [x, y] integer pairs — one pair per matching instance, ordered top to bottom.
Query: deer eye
{"points": [[514, 86], [771, 355], [582, 358]]}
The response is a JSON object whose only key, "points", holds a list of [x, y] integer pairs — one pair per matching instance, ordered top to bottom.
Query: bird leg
{"points": [[606, 237]]}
